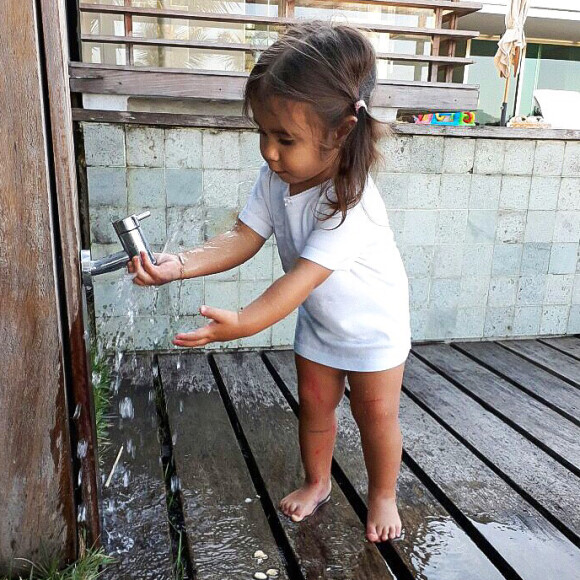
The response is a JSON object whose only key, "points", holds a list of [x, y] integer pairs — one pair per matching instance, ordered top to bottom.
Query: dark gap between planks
{"points": [[539, 363], [515, 383], [543, 446], [456, 512], [181, 550], [288, 556]]}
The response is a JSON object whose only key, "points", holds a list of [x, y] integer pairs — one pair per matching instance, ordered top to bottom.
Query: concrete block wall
{"points": [[488, 230]]}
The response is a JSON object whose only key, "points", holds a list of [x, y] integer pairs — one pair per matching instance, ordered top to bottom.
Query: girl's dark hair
{"points": [[330, 67]]}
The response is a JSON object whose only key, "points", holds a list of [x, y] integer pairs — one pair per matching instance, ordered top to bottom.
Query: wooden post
{"points": [[435, 42], [44, 372]]}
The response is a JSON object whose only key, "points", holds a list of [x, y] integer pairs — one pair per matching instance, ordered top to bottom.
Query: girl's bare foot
{"points": [[304, 501], [383, 521]]}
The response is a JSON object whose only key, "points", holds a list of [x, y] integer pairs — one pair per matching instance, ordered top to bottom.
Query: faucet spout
{"points": [[109, 264]]}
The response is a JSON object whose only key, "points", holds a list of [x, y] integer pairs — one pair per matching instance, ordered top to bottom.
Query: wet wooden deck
{"points": [[488, 489]]}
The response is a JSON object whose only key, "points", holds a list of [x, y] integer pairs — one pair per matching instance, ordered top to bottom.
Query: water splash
{"points": [[126, 409], [82, 448], [175, 483], [82, 513]]}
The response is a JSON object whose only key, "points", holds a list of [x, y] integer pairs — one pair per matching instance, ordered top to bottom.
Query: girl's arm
{"points": [[222, 252], [279, 300]]}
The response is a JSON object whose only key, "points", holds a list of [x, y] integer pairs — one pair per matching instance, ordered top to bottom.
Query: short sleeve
{"points": [[256, 213], [337, 248]]}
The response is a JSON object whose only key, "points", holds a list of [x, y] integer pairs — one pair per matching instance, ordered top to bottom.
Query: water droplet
{"points": [[126, 409], [77, 411], [82, 448], [131, 448], [80, 478], [126, 479], [175, 483], [248, 500], [82, 514]]}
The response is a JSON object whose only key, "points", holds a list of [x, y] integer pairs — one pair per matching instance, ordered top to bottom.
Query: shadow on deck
{"points": [[488, 489]]}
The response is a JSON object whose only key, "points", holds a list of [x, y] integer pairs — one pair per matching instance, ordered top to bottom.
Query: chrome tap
{"points": [[131, 238]]}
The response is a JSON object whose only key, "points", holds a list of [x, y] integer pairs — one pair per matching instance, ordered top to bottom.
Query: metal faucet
{"points": [[133, 242]]}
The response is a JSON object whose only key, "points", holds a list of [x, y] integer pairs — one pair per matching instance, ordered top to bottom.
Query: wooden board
{"points": [[54, 28], [160, 82], [567, 344], [548, 358], [558, 394], [541, 424], [36, 479], [554, 489], [134, 514], [224, 529], [332, 541], [522, 543], [432, 546]]}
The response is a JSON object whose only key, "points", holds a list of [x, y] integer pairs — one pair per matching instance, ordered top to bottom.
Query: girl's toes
{"points": [[397, 531], [392, 533], [372, 534], [384, 534]]}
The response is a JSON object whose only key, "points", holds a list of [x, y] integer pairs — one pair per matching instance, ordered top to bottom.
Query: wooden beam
{"points": [[461, 8], [53, 14], [274, 21], [206, 45], [99, 79], [163, 119], [36, 481]]}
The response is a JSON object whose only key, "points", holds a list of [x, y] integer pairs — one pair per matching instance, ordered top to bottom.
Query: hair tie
{"points": [[360, 104]]}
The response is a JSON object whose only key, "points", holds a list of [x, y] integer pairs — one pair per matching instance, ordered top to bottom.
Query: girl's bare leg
{"points": [[320, 389], [374, 401]]}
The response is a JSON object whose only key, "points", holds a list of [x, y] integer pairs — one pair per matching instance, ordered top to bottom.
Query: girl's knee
{"points": [[375, 412]]}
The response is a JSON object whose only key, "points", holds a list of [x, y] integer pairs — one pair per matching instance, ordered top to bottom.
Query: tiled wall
{"points": [[488, 230]]}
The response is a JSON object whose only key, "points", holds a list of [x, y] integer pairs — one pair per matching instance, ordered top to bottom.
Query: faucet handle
{"points": [[143, 215]]}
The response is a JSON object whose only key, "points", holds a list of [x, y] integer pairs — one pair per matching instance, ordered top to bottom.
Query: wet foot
{"points": [[305, 501], [383, 521]]}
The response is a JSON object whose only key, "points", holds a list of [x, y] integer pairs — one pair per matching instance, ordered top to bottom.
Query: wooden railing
{"points": [[442, 39]]}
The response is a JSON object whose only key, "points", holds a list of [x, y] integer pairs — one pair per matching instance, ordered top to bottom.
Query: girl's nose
{"points": [[270, 153]]}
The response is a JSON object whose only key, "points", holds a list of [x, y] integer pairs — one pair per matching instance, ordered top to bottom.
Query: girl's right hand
{"points": [[167, 269]]}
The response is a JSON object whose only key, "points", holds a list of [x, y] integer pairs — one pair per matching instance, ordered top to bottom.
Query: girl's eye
{"points": [[286, 142]]}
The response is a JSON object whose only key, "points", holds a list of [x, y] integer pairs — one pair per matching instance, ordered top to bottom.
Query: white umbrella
{"points": [[511, 45]]}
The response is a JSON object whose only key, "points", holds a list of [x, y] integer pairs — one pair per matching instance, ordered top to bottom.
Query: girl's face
{"points": [[291, 139]]}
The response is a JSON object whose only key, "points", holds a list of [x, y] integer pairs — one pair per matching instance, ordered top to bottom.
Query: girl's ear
{"points": [[344, 130]]}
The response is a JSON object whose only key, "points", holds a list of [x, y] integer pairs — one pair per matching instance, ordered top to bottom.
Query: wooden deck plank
{"points": [[567, 344], [556, 362], [552, 390], [539, 422], [554, 487], [135, 526], [223, 529], [332, 541], [527, 542], [432, 546]]}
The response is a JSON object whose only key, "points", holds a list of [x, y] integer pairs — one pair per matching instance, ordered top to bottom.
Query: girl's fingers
{"points": [[147, 265], [140, 274]]}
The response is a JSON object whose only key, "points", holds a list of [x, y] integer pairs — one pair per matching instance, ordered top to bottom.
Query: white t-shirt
{"points": [[358, 318]]}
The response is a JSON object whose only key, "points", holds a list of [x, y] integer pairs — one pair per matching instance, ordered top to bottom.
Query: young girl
{"points": [[309, 96]]}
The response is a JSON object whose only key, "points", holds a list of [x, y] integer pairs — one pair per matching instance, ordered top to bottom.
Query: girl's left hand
{"points": [[224, 325]]}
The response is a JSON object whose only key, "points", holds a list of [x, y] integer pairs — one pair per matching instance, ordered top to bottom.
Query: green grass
{"points": [[101, 380], [87, 568]]}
